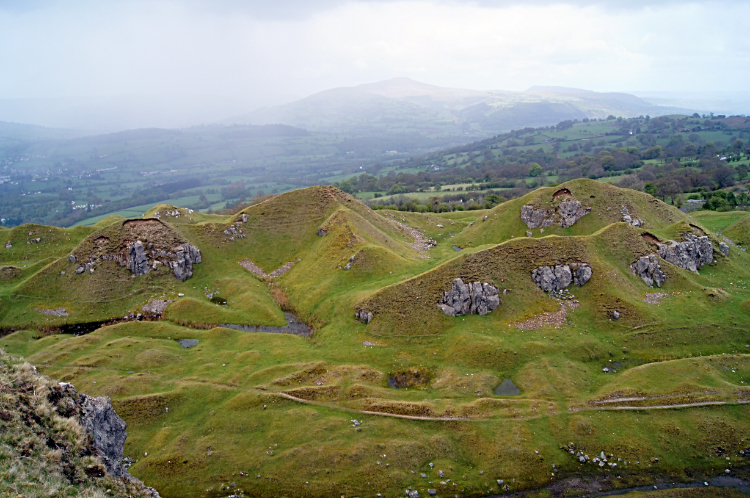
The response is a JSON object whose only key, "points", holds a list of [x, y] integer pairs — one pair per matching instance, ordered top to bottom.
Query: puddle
{"points": [[456, 248], [219, 300], [293, 326], [187, 343], [507, 388]]}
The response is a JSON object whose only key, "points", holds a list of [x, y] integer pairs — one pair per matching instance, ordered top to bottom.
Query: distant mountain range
{"points": [[402, 104]]}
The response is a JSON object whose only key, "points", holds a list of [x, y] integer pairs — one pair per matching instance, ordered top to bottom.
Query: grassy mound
{"points": [[605, 201], [739, 231]]}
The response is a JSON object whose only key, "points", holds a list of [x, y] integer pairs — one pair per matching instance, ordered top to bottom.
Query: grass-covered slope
{"points": [[739, 231], [238, 405]]}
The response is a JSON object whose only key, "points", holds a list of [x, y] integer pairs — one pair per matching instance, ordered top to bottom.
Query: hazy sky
{"points": [[278, 49]]}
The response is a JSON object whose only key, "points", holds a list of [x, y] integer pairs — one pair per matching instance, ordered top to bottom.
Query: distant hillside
{"points": [[402, 103]]}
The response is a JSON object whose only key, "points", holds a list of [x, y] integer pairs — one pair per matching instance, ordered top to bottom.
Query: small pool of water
{"points": [[293, 326], [187, 343], [507, 388]]}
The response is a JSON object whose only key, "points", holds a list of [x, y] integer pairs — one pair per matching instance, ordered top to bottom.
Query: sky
{"points": [[268, 52]]}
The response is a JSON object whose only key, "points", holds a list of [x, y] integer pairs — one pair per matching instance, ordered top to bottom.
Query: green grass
{"points": [[228, 413]]}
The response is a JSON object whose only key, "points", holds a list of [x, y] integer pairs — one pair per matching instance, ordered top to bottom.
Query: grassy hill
{"points": [[273, 414]]}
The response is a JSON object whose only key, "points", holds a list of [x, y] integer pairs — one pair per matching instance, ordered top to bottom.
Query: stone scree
{"points": [[567, 213], [630, 220], [690, 254], [647, 267], [557, 278], [472, 298]]}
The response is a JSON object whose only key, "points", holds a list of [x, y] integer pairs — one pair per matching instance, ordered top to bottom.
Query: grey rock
{"points": [[570, 211], [567, 213], [536, 217], [244, 218], [636, 222], [321, 232], [529, 234], [8, 245], [724, 248], [691, 254], [186, 256], [72, 259], [351, 259], [137, 260], [348, 266], [648, 268], [80, 270], [559, 277], [471, 298], [615, 315], [364, 316], [107, 430], [441, 473], [432, 492], [413, 493]]}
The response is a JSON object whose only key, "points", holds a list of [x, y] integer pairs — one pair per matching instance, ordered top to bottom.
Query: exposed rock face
{"points": [[570, 211], [567, 213], [536, 217], [724, 248], [689, 255], [186, 256], [137, 260], [647, 267], [557, 278], [472, 298], [363, 316], [107, 430]]}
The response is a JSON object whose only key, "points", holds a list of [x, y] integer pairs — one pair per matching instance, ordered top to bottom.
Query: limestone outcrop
{"points": [[567, 213], [536, 217], [724, 248], [691, 254], [185, 256], [137, 260], [181, 261], [648, 268], [559, 277], [472, 298], [363, 316], [107, 430]]}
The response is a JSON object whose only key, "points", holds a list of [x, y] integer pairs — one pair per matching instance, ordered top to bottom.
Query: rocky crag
{"points": [[566, 214], [691, 254], [181, 259], [648, 268], [557, 278], [472, 298]]}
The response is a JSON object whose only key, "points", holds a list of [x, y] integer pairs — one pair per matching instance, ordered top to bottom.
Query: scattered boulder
{"points": [[244, 218], [630, 220], [321, 232], [529, 234], [724, 248], [690, 254], [72, 258], [648, 268], [557, 278], [472, 298], [615, 315], [364, 316]]}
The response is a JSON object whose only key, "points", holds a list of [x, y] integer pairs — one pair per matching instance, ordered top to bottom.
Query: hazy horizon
{"points": [[200, 61]]}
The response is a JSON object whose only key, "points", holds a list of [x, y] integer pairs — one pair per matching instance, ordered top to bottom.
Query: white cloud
{"points": [[99, 48]]}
